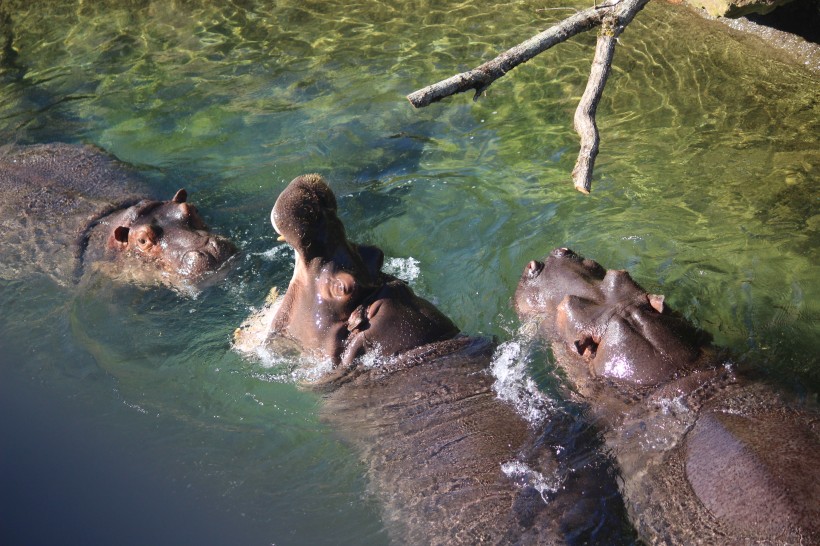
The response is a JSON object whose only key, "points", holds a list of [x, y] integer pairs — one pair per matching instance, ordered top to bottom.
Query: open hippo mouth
{"points": [[339, 303], [605, 318]]}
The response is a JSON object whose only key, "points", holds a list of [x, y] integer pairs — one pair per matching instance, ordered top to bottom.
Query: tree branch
{"points": [[613, 18], [482, 76], [584, 121]]}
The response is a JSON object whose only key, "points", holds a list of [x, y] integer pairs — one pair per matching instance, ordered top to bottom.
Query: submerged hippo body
{"points": [[65, 209], [705, 454], [450, 462]]}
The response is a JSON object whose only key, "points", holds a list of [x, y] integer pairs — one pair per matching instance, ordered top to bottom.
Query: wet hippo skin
{"points": [[67, 209], [339, 303], [416, 399], [706, 455]]}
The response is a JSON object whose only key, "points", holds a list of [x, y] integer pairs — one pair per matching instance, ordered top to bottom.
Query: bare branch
{"points": [[613, 18], [482, 76], [584, 121], [586, 127]]}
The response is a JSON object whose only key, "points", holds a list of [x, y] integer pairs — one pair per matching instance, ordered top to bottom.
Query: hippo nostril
{"points": [[221, 249], [562, 252], [195, 262], [586, 346]]}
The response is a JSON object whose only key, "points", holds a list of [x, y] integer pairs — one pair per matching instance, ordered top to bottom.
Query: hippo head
{"points": [[168, 238], [339, 304], [608, 322]]}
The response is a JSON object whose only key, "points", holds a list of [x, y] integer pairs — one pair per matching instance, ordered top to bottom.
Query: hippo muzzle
{"points": [[213, 255], [606, 319]]}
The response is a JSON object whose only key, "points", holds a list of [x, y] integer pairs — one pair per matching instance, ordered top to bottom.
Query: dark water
{"points": [[126, 418]]}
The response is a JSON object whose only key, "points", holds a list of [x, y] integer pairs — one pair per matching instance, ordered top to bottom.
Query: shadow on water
{"points": [[801, 17], [9, 69], [35, 105], [103, 454], [85, 471]]}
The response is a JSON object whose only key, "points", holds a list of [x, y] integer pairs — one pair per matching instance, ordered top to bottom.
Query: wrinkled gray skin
{"points": [[65, 209], [430, 429], [705, 454]]}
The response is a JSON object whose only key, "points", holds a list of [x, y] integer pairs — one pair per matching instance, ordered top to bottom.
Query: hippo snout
{"points": [[220, 249], [206, 259]]}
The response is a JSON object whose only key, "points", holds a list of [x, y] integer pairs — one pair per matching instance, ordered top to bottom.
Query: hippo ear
{"points": [[180, 196], [121, 235], [656, 301]]}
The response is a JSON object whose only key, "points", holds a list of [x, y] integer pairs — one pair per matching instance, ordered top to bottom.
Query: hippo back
{"points": [[49, 195], [453, 464]]}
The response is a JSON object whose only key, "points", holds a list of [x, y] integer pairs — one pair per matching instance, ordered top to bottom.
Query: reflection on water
{"points": [[705, 189]]}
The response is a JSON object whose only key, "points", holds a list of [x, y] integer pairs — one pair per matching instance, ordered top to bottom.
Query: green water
{"points": [[131, 419]]}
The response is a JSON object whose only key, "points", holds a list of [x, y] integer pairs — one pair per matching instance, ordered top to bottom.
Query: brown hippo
{"points": [[67, 208], [706, 455], [450, 462]]}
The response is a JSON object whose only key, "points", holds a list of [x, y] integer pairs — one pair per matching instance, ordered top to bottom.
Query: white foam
{"points": [[275, 252], [407, 269], [373, 358], [285, 368], [514, 385], [673, 406], [524, 476]]}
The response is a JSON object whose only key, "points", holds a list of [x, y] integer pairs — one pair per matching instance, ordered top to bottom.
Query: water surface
{"points": [[128, 406]]}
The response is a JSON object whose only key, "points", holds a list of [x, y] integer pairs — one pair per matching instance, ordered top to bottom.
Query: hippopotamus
{"points": [[67, 209], [706, 453], [450, 462]]}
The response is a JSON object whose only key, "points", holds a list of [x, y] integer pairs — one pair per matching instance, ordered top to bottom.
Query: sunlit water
{"points": [[126, 416]]}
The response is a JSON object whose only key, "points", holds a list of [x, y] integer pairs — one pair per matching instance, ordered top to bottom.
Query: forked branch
{"points": [[612, 17]]}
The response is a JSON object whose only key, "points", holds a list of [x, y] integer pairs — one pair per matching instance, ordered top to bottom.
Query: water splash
{"points": [[276, 252], [407, 269], [374, 358], [514, 385], [524, 476]]}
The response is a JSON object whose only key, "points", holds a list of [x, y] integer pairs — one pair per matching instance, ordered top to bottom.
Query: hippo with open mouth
{"points": [[66, 209], [706, 455], [450, 462]]}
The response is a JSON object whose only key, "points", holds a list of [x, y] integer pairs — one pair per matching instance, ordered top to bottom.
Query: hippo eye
{"points": [[147, 237], [144, 242], [343, 285]]}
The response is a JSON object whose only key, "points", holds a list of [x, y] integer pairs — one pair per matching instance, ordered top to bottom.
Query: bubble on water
{"points": [[275, 253], [407, 269], [374, 357], [287, 368], [310, 370], [514, 385], [673, 406], [524, 476]]}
